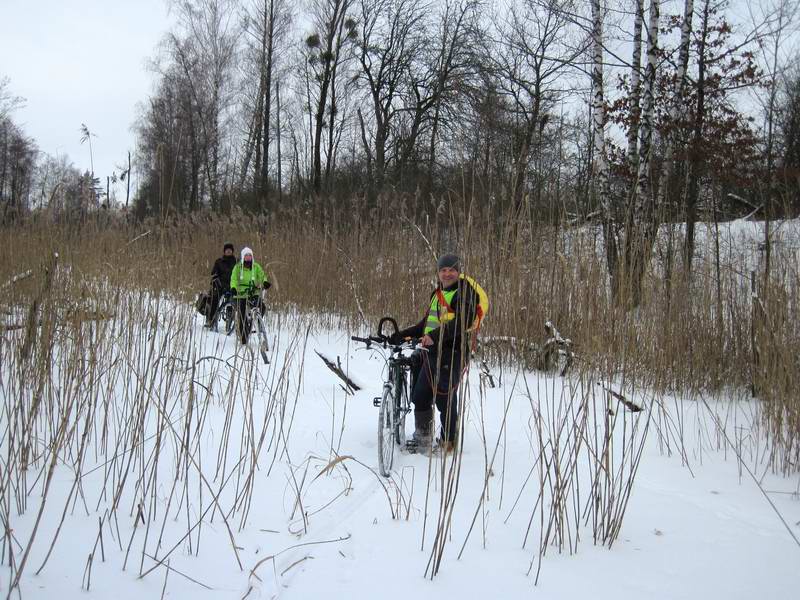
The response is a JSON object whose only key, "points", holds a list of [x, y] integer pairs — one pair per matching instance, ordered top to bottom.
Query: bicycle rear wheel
{"points": [[387, 430]]}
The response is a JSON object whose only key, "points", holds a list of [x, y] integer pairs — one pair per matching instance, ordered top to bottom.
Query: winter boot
{"points": [[421, 440]]}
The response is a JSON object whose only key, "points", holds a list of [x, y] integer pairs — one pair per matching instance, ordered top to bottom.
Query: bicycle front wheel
{"points": [[400, 412], [386, 431]]}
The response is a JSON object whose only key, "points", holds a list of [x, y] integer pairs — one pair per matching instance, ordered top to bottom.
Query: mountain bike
{"points": [[253, 316], [393, 403]]}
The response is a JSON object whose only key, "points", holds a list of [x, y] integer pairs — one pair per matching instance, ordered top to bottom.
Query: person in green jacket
{"points": [[247, 280]]}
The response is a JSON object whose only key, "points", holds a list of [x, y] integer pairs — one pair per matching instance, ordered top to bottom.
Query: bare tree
{"points": [[781, 19], [267, 22], [333, 28], [391, 31], [206, 55], [534, 60], [443, 65], [723, 66], [8, 101], [17, 156], [17, 168]]}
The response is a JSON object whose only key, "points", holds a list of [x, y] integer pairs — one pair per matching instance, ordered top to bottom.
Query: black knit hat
{"points": [[227, 246], [449, 260]]}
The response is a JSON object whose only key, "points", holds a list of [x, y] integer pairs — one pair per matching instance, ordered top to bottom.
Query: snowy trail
{"points": [[703, 532]]}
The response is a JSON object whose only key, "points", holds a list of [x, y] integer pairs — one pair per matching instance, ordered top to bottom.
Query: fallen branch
{"points": [[554, 348], [337, 369], [631, 406]]}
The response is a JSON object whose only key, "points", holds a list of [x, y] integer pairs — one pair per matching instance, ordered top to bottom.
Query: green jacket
{"points": [[247, 282]]}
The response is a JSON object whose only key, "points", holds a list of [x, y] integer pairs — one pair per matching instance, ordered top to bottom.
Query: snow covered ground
{"points": [[289, 504]]}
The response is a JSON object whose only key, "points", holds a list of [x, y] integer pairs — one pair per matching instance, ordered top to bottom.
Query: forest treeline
{"points": [[630, 115]]}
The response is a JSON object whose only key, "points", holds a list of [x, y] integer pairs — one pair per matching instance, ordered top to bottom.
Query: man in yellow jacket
{"points": [[247, 280], [443, 331]]}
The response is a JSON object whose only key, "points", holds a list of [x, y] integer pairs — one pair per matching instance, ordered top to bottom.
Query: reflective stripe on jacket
{"points": [[440, 312]]}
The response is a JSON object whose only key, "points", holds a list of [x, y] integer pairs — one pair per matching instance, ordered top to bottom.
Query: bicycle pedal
{"points": [[376, 401]]}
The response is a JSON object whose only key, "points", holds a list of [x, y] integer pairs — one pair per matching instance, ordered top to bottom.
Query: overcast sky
{"points": [[80, 61]]}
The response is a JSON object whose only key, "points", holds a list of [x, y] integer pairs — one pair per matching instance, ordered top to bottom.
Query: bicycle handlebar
{"points": [[250, 291], [370, 339], [384, 341]]}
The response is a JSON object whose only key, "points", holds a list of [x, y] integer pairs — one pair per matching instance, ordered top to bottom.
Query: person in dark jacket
{"points": [[220, 279], [444, 333]]}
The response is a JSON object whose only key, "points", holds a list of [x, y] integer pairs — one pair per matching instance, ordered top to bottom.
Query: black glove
{"points": [[267, 285], [395, 339]]}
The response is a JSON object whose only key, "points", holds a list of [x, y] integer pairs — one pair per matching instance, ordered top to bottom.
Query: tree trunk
{"points": [[269, 42], [330, 58], [636, 66], [278, 139], [695, 147], [668, 181], [600, 187], [642, 223]]}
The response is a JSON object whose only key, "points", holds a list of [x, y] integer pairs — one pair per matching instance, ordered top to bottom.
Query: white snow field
{"points": [[189, 469]]}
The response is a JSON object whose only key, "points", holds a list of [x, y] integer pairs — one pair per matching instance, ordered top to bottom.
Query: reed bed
{"points": [[98, 366]]}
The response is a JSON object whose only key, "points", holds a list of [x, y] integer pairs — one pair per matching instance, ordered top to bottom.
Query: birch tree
{"points": [[636, 65], [599, 186], [642, 226]]}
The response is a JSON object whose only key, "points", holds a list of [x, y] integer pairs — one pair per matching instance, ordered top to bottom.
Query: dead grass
{"points": [[99, 326]]}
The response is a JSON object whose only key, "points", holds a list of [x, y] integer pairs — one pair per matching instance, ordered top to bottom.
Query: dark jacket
{"points": [[221, 273], [452, 335]]}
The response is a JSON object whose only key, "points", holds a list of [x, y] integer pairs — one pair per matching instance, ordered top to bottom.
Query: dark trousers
{"points": [[213, 305], [241, 307], [443, 376]]}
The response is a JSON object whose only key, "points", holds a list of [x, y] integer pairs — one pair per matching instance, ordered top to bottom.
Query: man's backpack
{"points": [[483, 303], [202, 304], [481, 310]]}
